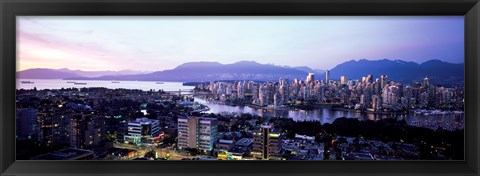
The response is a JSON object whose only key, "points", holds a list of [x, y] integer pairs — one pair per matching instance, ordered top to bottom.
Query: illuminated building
{"points": [[326, 76], [310, 78], [369, 78], [343, 80], [383, 81], [426, 82], [142, 128], [86, 131], [197, 132], [187, 133], [267, 143]]}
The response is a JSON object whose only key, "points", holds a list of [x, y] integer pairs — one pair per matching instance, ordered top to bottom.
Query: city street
{"points": [[162, 152]]}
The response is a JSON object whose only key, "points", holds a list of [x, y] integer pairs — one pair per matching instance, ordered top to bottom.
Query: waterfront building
{"points": [[241, 89], [277, 100], [375, 102]]}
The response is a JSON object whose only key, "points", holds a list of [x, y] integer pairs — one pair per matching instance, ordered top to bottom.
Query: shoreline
{"points": [[315, 107]]}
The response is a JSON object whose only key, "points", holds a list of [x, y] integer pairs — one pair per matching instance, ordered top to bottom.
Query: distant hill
{"points": [[308, 69], [210, 71], [437, 71], [44, 73], [102, 73]]}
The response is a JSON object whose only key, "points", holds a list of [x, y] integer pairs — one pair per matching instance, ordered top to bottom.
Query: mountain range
{"points": [[400, 71], [438, 72], [64, 73]]}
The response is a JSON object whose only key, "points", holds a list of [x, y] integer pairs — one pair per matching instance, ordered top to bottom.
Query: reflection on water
{"points": [[327, 115]]}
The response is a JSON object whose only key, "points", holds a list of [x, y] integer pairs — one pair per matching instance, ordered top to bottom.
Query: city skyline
{"points": [[106, 43]]}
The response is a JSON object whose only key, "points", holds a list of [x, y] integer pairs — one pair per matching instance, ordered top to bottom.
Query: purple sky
{"points": [[159, 43]]}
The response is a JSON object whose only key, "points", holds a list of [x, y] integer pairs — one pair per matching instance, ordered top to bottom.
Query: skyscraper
{"points": [[326, 76], [310, 78], [369, 78], [343, 80], [383, 81], [426, 82]]}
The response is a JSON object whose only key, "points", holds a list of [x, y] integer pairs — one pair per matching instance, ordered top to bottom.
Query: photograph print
{"points": [[240, 88]]}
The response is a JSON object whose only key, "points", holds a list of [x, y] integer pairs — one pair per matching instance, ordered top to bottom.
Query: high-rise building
{"points": [[327, 74], [310, 78], [369, 78], [343, 80], [383, 81], [426, 82], [241, 89], [263, 95], [277, 100], [376, 102], [26, 124], [54, 126], [142, 128], [86, 131], [197, 132], [187, 133], [207, 133], [267, 143]]}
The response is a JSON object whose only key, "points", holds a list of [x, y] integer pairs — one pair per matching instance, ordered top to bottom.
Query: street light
{"points": [[167, 155]]}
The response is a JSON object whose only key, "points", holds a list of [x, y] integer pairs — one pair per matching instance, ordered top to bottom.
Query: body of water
{"points": [[41, 84], [322, 115], [327, 115]]}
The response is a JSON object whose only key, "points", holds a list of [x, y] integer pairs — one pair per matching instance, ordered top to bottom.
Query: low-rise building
{"points": [[142, 128]]}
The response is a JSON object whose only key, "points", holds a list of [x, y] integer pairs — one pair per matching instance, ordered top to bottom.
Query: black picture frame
{"points": [[11, 8]]}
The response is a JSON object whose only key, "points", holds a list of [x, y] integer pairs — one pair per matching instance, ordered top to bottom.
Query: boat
{"points": [[27, 82], [115, 82], [80, 83], [159, 83]]}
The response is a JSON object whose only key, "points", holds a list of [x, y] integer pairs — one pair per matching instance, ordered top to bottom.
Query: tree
{"points": [[150, 154]]}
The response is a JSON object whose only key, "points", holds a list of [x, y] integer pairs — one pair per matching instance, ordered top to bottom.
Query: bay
{"points": [[42, 84], [322, 115], [327, 115]]}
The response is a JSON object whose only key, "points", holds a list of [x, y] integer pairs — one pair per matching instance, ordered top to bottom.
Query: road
{"points": [[162, 152]]}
